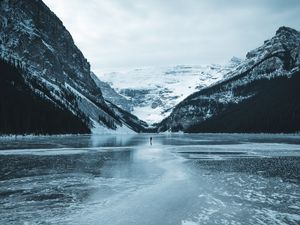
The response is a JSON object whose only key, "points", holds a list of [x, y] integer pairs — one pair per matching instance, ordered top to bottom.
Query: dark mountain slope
{"points": [[52, 65], [244, 93], [274, 109], [22, 111], [132, 121]]}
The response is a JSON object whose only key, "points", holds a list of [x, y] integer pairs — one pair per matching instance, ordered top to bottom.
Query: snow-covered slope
{"points": [[34, 39], [276, 58], [154, 91], [112, 96]]}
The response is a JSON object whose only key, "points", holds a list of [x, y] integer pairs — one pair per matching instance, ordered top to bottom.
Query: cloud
{"points": [[129, 33]]}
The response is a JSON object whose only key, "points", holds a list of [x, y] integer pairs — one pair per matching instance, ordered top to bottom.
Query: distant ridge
{"points": [[260, 95]]}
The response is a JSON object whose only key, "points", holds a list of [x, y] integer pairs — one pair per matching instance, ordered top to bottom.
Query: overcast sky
{"points": [[134, 33]]}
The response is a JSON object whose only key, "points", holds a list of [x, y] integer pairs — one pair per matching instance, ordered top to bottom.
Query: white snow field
{"points": [[154, 91]]}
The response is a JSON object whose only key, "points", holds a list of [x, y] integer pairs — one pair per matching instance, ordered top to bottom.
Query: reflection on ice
{"points": [[180, 179]]}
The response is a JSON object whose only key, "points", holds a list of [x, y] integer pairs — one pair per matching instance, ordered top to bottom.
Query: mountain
{"points": [[50, 68], [152, 92], [259, 95], [112, 96], [121, 107], [22, 111]]}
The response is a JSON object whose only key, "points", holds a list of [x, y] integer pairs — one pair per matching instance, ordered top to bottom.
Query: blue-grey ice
{"points": [[180, 180]]}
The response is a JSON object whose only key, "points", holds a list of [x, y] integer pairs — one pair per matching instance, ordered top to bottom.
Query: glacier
{"points": [[152, 92]]}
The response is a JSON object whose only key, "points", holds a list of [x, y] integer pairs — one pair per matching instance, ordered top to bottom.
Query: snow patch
{"points": [[48, 46], [100, 129], [187, 222]]}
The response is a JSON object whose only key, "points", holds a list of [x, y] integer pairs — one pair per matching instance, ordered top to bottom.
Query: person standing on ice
{"points": [[150, 140]]}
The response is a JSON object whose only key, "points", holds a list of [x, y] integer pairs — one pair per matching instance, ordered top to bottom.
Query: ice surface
{"points": [[122, 179]]}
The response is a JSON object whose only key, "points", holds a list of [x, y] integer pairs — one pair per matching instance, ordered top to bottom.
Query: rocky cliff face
{"points": [[31, 33], [32, 37], [277, 57], [112, 95], [22, 111]]}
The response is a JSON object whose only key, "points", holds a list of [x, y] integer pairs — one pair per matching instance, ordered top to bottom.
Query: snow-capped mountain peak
{"points": [[35, 39], [274, 61], [154, 91]]}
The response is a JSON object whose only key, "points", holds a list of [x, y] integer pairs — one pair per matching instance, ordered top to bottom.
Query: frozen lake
{"points": [[180, 180]]}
